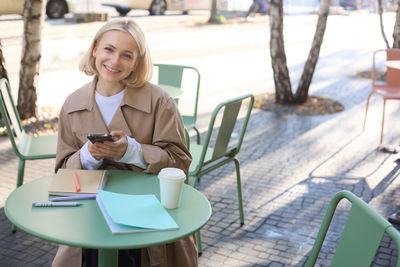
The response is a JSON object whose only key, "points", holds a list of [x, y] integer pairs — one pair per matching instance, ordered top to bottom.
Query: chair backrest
{"points": [[392, 74], [173, 75], [229, 110], [9, 113], [361, 236]]}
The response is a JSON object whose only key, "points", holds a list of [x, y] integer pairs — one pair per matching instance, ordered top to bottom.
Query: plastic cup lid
{"points": [[172, 173]]}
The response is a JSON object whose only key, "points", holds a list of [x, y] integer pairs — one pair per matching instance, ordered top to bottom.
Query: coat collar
{"points": [[138, 98]]}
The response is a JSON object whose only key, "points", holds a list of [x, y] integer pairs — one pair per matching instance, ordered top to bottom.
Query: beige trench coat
{"points": [[147, 114]]}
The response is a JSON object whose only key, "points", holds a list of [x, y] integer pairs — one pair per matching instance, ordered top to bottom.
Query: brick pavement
{"points": [[291, 167]]}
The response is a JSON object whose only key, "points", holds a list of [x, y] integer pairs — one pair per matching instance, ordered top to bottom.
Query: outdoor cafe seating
{"points": [[178, 76], [25, 147], [212, 154], [361, 237]]}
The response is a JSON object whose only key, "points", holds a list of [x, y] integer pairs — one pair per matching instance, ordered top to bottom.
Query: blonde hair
{"points": [[144, 69]]}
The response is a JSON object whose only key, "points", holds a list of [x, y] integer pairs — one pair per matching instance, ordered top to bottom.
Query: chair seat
{"points": [[386, 91], [38, 147], [195, 151]]}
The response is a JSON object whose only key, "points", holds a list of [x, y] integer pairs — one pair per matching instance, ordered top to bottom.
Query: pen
{"points": [[77, 185], [90, 196], [55, 204]]}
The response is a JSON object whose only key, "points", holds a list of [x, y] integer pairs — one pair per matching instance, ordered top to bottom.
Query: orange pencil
{"points": [[77, 185]]}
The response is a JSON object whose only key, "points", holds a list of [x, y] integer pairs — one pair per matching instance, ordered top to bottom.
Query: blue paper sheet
{"points": [[143, 211]]}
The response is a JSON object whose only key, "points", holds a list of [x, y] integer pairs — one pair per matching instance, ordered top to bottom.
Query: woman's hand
{"points": [[108, 149]]}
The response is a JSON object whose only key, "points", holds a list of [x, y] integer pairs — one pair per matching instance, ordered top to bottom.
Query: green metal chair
{"points": [[173, 75], [26, 147], [206, 159], [197, 234], [361, 236]]}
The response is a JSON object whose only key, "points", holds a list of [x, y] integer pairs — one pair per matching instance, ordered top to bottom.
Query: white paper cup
{"points": [[171, 181]]}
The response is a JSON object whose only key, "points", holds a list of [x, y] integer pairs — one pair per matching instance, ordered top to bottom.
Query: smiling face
{"points": [[115, 56]]}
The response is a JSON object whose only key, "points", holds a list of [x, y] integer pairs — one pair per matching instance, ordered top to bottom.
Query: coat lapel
{"points": [[136, 98], [118, 122]]}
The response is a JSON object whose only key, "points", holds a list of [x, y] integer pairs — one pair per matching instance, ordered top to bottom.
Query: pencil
{"points": [[77, 185]]}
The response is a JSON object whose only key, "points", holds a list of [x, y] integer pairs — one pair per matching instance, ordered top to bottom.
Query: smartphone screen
{"points": [[100, 138]]}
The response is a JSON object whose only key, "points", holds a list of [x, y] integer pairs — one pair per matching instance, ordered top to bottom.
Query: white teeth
{"points": [[110, 69]]}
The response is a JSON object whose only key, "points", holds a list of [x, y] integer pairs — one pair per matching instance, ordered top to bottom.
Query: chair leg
{"points": [[366, 111], [383, 120], [197, 135], [21, 170], [20, 181], [193, 181], [239, 190], [198, 241]]}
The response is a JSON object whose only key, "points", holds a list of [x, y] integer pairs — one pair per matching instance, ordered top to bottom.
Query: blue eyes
{"points": [[109, 49]]}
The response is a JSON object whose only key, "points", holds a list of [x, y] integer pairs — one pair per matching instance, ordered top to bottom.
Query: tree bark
{"points": [[34, 11], [380, 11], [213, 12], [396, 30], [3, 71], [308, 71], [283, 89]]}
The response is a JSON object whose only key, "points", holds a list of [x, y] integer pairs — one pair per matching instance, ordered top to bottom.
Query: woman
{"points": [[145, 124]]}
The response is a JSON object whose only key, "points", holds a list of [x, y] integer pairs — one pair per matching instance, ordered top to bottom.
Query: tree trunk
{"points": [[380, 11], [213, 12], [396, 30], [30, 60], [3, 71], [308, 71], [283, 89]]}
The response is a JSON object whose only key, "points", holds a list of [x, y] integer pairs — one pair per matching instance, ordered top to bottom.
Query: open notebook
{"points": [[134, 213]]}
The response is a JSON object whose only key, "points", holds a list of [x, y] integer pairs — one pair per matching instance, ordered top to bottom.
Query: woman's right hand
{"points": [[94, 151]]}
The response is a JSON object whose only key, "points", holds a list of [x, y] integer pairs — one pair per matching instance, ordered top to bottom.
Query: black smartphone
{"points": [[100, 138]]}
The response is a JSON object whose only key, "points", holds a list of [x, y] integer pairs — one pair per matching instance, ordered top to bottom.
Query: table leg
{"points": [[108, 257]]}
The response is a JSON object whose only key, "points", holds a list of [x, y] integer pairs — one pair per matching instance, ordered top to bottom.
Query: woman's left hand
{"points": [[114, 149]]}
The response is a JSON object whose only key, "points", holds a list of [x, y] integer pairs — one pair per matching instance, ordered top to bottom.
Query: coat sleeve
{"points": [[168, 148], [67, 155]]}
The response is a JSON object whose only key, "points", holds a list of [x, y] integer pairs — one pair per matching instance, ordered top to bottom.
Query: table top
{"points": [[393, 64], [173, 91], [85, 226]]}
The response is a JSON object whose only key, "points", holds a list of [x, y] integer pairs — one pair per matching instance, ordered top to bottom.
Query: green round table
{"points": [[85, 226]]}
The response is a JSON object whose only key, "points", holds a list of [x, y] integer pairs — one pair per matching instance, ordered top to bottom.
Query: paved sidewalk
{"points": [[291, 167]]}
